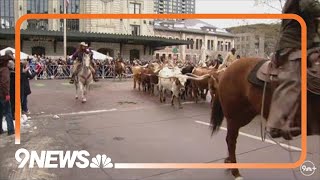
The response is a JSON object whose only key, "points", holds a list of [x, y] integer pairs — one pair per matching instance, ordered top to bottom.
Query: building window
{"points": [[37, 6], [72, 8], [134, 8], [6, 14], [38, 24], [72, 25], [135, 30], [197, 43], [200, 43], [212, 44], [208, 45], [188, 46], [191, 46], [38, 50], [70, 50], [106, 51], [157, 56]]}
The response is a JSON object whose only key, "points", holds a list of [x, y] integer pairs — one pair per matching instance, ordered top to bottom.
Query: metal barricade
{"points": [[64, 72]]}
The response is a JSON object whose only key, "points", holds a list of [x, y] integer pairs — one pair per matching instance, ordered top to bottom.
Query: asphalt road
{"points": [[133, 127]]}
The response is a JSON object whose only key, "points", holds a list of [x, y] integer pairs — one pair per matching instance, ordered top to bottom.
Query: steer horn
{"points": [[198, 78]]}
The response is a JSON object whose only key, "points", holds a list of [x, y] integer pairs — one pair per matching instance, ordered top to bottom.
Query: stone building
{"points": [[133, 38], [206, 39], [250, 45]]}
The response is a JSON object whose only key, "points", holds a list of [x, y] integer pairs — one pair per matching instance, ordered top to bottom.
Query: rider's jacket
{"points": [[290, 36], [79, 54]]}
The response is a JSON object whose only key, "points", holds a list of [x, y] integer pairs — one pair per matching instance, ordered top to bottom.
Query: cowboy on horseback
{"points": [[230, 58], [77, 59], [286, 97]]}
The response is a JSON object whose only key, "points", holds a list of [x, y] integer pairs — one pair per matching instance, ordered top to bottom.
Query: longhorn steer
{"points": [[173, 80], [201, 86]]}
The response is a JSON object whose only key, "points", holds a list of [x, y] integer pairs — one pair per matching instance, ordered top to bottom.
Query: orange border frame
{"points": [[182, 16]]}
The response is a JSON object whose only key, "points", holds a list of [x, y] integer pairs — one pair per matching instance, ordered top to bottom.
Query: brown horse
{"points": [[120, 69], [239, 102]]}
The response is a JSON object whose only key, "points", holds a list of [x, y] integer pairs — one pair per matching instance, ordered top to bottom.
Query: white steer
{"points": [[174, 81]]}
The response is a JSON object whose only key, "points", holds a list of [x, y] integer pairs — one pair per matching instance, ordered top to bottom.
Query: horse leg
{"points": [[134, 82], [77, 88], [82, 93], [195, 94], [160, 95], [205, 95], [172, 100], [179, 102], [231, 140]]}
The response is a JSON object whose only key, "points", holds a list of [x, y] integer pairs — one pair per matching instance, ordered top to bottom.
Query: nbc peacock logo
{"points": [[101, 161]]}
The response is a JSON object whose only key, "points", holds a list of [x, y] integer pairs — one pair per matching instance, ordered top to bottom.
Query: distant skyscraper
{"points": [[175, 6]]}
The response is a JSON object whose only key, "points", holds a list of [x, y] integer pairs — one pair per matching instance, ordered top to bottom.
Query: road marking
{"points": [[39, 84], [81, 112], [88, 112], [255, 137]]}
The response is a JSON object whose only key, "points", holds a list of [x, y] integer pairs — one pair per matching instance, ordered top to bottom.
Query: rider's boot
{"points": [[94, 75], [95, 78]]}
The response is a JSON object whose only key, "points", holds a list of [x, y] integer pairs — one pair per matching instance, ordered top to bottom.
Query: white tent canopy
{"points": [[22, 54], [99, 56]]}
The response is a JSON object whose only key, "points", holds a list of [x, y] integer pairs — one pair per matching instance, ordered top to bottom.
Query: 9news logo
{"points": [[61, 159]]}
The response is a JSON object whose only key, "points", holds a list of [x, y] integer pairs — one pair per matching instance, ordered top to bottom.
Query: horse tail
{"points": [[216, 114]]}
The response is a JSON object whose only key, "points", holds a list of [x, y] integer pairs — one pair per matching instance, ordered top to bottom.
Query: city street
{"points": [[133, 127]]}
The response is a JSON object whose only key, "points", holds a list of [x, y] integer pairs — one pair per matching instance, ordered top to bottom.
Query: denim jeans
{"points": [[24, 103], [5, 110]]}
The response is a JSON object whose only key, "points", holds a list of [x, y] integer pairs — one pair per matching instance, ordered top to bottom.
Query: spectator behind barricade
{"points": [[26, 74], [12, 86], [5, 107]]}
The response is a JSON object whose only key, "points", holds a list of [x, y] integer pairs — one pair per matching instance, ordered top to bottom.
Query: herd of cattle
{"points": [[186, 81]]}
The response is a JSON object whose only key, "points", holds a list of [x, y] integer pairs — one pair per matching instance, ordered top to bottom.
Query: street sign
{"points": [[175, 50]]}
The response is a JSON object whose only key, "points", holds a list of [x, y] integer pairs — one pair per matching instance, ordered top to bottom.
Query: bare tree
{"points": [[271, 3]]}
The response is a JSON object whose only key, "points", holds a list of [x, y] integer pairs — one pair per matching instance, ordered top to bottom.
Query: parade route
{"points": [[133, 127]]}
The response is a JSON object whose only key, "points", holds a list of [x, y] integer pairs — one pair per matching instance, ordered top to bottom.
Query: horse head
{"points": [[86, 60]]}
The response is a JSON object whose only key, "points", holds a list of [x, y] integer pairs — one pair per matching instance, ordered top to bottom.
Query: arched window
{"points": [[38, 50], [70, 50], [106, 51], [134, 54]]}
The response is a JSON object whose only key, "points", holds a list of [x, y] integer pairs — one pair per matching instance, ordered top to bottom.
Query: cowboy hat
{"points": [[83, 44]]}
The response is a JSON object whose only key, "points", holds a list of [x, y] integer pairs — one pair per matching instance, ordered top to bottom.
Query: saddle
{"points": [[267, 72], [263, 73]]}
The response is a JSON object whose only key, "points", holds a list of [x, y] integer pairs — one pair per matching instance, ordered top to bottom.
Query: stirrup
{"points": [[71, 81]]}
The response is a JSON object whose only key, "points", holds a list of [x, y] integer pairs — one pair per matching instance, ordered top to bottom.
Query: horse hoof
{"points": [[77, 97], [84, 101], [180, 107], [238, 178]]}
